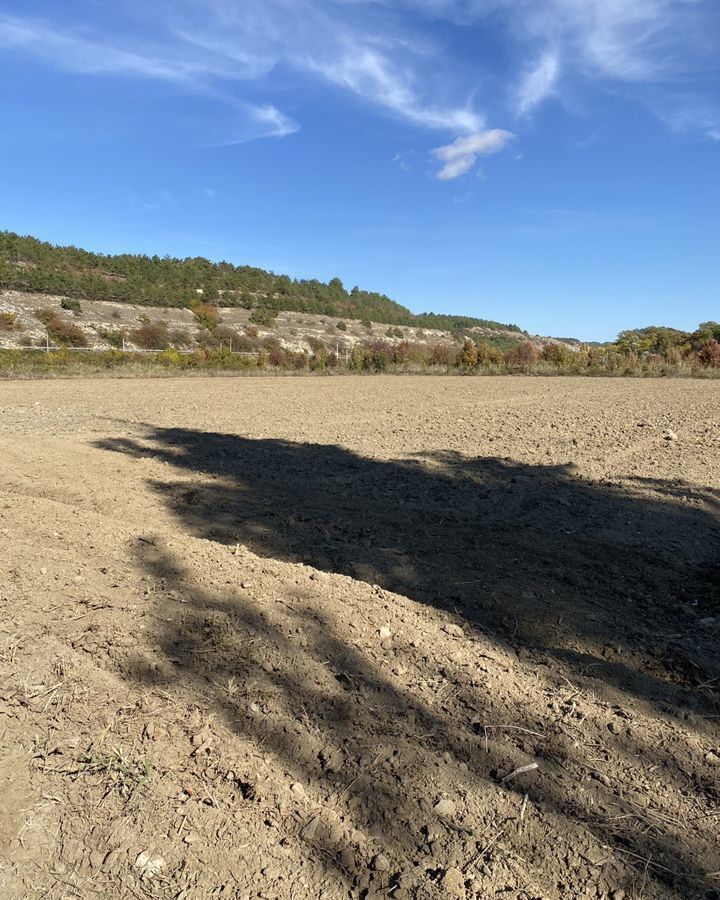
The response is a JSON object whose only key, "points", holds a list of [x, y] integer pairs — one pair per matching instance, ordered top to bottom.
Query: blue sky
{"points": [[553, 163]]}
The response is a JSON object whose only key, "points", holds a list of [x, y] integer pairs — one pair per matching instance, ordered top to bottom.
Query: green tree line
{"points": [[28, 264]]}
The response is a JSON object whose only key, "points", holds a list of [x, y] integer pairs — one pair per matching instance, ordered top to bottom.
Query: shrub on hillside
{"points": [[71, 305], [207, 316], [263, 316], [8, 321], [60, 331], [151, 336], [114, 337], [228, 338], [709, 354], [443, 355], [489, 355], [558, 355], [522, 356], [468, 358]]}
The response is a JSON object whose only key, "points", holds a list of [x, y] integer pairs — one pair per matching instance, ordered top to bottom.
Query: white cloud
{"points": [[205, 43], [651, 50], [77, 53], [390, 55], [371, 75], [538, 83], [274, 122], [459, 157]]}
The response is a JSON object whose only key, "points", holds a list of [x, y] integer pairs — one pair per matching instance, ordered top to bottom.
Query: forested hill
{"points": [[28, 264]]}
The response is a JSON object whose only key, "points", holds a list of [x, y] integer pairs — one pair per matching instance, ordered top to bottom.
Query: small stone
{"points": [[670, 435], [43, 570], [78, 579], [246, 584], [707, 622], [454, 630], [384, 633], [386, 644], [615, 727], [202, 737], [331, 759], [712, 759], [297, 789], [445, 807], [308, 832], [337, 833], [192, 837], [595, 855], [96, 859], [347, 859], [381, 863], [149, 865], [453, 882]]}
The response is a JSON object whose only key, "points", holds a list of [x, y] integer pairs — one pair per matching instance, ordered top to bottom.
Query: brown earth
{"points": [[388, 637]]}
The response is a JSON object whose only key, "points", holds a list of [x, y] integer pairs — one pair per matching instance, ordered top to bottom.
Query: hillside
{"points": [[30, 265], [38, 317]]}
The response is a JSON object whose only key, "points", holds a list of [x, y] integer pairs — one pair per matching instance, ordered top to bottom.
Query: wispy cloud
{"points": [[649, 48], [76, 53], [389, 55], [372, 76], [538, 82], [459, 157], [403, 160]]}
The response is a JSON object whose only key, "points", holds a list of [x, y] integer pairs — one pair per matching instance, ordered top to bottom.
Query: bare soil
{"points": [[360, 638]]}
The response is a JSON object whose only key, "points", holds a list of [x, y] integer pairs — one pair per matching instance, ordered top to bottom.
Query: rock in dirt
{"points": [[670, 435], [707, 622], [453, 630], [384, 633], [202, 737], [331, 759], [712, 759], [298, 789], [445, 807], [308, 832], [96, 859], [347, 859], [381, 863], [149, 865], [453, 882]]}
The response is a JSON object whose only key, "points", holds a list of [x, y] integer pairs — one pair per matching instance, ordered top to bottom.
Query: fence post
{"points": [[47, 341]]}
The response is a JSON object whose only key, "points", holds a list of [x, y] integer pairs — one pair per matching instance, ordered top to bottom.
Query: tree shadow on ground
{"points": [[590, 590]]}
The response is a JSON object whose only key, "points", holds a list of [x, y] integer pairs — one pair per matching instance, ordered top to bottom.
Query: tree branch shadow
{"points": [[570, 581]]}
